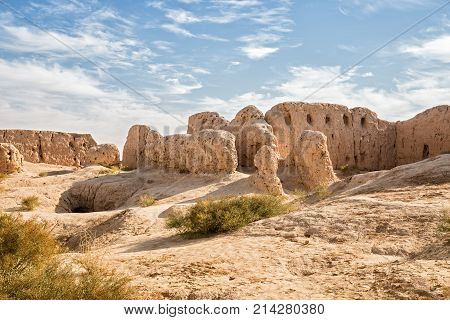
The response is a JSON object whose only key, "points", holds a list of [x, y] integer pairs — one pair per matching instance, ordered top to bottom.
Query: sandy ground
{"points": [[375, 237]]}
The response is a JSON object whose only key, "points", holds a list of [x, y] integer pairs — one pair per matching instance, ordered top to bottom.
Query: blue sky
{"points": [[188, 56]]}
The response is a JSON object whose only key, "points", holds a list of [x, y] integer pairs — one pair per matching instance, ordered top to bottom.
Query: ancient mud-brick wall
{"points": [[249, 128], [425, 135], [356, 137], [59, 148], [207, 151]]}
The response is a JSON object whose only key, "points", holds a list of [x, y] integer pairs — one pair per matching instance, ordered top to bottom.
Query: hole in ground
{"points": [[98, 194]]}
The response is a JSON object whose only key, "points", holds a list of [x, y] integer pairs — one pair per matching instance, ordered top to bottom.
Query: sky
{"points": [[99, 66]]}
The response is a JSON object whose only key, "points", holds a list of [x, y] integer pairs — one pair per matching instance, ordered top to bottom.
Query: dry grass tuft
{"points": [[109, 171], [322, 191], [146, 201], [30, 203]]}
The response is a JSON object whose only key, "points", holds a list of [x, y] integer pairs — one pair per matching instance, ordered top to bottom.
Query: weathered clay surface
{"points": [[206, 120], [425, 135], [374, 141], [50, 147], [206, 151], [103, 154], [129, 155], [10, 159], [312, 160], [265, 179]]}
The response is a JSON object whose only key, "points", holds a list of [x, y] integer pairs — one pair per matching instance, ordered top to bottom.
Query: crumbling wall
{"points": [[290, 119], [206, 120], [248, 126], [424, 136], [356, 137], [50, 147], [206, 151], [11, 160], [265, 178]]}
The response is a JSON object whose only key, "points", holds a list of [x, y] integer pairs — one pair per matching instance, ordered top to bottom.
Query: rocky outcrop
{"points": [[206, 120], [424, 136], [59, 148], [206, 151], [104, 154], [11, 160], [312, 160], [265, 179]]}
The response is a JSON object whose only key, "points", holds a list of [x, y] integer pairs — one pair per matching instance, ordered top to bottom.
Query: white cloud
{"points": [[375, 5], [181, 16], [177, 30], [91, 37], [164, 45], [434, 49], [257, 53], [176, 79], [418, 91], [34, 95]]}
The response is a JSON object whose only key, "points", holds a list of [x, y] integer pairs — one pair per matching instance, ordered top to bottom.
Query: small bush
{"points": [[109, 171], [43, 174], [3, 176], [2, 189], [322, 191], [300, 195], [146, 201], [30, 203], [216, 216], [445, 222], [31, 269]]}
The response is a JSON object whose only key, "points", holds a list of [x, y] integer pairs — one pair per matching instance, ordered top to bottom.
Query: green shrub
{"points": [[43, 174], [146, 201], [30, 203], [216, 216], [30, 267]]}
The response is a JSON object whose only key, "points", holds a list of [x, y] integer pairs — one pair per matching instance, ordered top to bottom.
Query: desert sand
{"points": [[375, 236]]}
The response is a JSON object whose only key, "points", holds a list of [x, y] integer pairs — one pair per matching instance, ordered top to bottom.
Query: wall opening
{"points": [[345, 118], [287, 119], [309, 119], [327, 120], [363, 122], [426, 151]]}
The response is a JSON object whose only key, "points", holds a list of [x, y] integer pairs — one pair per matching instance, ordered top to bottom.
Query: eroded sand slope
{"points": [[375, 237]]}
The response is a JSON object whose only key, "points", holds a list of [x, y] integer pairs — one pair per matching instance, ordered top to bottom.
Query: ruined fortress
{"points": [[309, 138]]}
